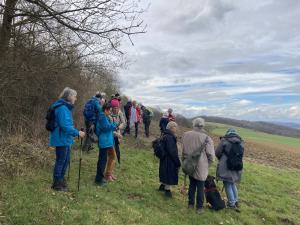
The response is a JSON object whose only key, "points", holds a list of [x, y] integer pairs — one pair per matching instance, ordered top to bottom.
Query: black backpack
{"points": [[50, 118], [158, 147], [235, 156]]}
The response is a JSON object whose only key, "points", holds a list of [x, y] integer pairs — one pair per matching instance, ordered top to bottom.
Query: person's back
{"points": [[127, 109], [91, 110], [147, 114], [163, 123], [193, 141], [170, 163], [228, 175]]}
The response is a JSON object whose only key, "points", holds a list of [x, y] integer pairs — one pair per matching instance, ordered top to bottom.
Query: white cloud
{"points": [[221, 50]]}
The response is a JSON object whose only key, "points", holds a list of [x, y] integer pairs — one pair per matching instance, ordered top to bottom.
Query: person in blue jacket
{"points": [[91, 109], [104, 130], [62, 136]]}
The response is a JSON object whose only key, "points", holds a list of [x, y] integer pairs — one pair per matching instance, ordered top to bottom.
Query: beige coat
{"points": [[192, 140]]}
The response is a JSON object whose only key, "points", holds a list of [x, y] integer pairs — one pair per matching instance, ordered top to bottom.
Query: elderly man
{"points": [[192, 141]]}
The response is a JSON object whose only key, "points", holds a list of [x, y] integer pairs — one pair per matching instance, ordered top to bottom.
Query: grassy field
{"points": [[248, 134], [268, 196]]}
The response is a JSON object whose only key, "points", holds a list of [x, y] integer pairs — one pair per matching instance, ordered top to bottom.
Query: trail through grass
{"points": [[268, 196]]}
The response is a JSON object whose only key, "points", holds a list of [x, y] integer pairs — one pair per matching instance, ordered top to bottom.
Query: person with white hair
{"points": [[62, 135], [198, 140], [169, 164]]}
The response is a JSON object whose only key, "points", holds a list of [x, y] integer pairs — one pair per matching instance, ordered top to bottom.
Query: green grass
{"points": [[248, 134], [268, 196]]}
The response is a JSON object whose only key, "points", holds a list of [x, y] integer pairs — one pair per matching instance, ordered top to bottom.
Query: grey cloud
{"points": [[247, 43]]}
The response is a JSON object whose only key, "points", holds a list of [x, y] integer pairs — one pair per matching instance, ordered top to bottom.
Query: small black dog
{"points": [[212, 194]]}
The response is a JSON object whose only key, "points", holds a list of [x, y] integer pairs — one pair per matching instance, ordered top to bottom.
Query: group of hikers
{"points": [[106, 125], [198, 154]]}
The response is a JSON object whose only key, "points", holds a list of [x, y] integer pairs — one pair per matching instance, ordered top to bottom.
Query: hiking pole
{"points": [[80, 159], [69, 167]]}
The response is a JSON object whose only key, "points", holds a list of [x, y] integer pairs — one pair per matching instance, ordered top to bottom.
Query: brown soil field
{"points": [[281, 156]]}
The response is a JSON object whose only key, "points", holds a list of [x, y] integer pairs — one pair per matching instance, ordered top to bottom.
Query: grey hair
{"points": [[67, 92], [199, 122], [171, 125]]}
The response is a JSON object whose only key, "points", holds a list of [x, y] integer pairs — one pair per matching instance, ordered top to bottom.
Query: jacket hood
{"points": [[63, 101], [169, 133], [234, 138]]}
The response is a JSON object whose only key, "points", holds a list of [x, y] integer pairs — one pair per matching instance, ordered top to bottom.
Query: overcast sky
{"points": [[230, 58]]}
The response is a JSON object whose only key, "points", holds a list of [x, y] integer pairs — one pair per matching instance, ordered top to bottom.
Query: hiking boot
{"points": [[64, 183], [101, 183], [59, 186], [161, 187], [168, 193], [233, 208], [200, 211]]}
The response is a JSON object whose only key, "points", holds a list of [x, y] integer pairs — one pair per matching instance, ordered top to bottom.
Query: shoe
{"points": [[64, 183], [101, 183], [58, 186], [161, 187], [168, 193], [237, 205], [190, 206], [233, 208], [200, 211]]}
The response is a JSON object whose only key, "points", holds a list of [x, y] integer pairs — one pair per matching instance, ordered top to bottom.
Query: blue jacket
{"points": [[96, 109], [104, 131], [64, 133]]}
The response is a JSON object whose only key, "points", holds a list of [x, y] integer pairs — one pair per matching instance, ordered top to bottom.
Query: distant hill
{"points": [[289, 124], [266, 127]]}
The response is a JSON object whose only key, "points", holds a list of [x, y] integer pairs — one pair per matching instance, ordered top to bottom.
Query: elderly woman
{"points": [[61, 137], [192, 141], [169, 165]]}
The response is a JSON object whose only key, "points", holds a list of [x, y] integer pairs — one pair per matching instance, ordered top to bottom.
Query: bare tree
{"points": [[94, 25]]}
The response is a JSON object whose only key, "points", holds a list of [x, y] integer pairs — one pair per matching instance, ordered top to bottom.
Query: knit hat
{"points": [[115, 103], [231, 131]]}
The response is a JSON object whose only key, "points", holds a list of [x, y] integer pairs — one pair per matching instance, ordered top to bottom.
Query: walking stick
{"points": [[80, 159], [69, 167]]}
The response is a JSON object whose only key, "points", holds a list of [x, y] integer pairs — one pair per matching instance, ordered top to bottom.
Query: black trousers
{"points": [[136, 125], [127, 128], [147, 128], [117, 149], [101, 164], [196, 185]]}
